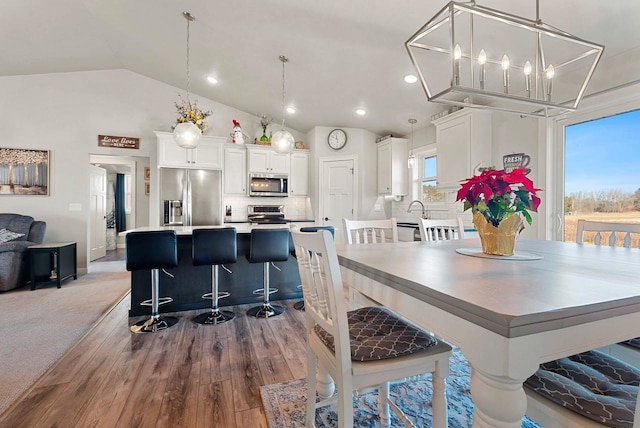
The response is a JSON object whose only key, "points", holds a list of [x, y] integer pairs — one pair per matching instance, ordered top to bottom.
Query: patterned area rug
{"points": [[285, 403]]}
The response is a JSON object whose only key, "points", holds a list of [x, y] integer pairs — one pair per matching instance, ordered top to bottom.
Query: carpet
{"points": [[38, 327], [285, 403]]}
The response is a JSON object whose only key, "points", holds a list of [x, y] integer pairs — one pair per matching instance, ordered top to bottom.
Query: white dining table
{"points": [[506, 314]]}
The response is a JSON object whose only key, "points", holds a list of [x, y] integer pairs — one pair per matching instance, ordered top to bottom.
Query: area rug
{"points": [[37, 327], [285, 403]]}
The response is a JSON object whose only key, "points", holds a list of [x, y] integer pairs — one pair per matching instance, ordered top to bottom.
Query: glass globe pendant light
{"points": [[187, 134], [282, 141], [411, 161]]}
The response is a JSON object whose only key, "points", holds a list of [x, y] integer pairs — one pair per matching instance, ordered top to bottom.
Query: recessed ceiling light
{"points": [[410, 78], [212, 80], [291, 110], [361, 111]]}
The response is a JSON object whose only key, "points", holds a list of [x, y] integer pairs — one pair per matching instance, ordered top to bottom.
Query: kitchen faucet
{"points": [[421, 204]]}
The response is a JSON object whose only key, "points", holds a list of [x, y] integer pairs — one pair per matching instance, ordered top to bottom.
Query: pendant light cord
{"points": [[189, 18], [283, 59]]}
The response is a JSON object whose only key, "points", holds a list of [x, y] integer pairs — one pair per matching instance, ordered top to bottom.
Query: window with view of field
{"points": [[602, 172], [429, 179]]}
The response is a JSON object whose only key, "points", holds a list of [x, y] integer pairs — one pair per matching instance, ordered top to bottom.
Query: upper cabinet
{"points": [[463, 141], [208, 154], [263, 159], [392, 167], [235, 170], [299, 177]]}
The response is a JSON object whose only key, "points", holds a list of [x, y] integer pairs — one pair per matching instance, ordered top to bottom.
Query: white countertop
{"points": [[188, 230]]}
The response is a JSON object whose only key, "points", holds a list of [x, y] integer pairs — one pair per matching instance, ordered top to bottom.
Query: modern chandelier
{"points": [[473, 56], [187, 134], [282, 141]]}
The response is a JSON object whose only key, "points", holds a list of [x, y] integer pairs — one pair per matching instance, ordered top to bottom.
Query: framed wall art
{"points": [[24, 172]]}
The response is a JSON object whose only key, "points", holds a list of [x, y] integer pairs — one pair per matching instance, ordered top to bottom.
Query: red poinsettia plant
{"points": [[498, 195]]}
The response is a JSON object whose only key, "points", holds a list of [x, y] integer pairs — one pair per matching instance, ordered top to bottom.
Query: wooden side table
{"points": [[52, 263]]}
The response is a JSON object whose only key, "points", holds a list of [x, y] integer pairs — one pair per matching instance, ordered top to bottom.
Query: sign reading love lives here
{"points": [[119, 142]]}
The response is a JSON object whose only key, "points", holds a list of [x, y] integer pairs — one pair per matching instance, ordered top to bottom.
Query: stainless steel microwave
{"points": [[268, 185]]}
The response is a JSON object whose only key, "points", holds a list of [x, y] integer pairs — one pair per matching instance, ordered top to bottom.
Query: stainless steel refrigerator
{"points": [[200, 191]]}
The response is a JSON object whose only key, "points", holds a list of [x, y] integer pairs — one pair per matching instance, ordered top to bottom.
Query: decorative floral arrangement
{"points": [[190, 112], [265, 121], [498, 195]]}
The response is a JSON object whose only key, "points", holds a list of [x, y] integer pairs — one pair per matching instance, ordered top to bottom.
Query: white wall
{"points": [[65, 113], [360, 143]]}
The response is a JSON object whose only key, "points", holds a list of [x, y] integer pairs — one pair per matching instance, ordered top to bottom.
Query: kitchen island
{"points": [[190, 282]]}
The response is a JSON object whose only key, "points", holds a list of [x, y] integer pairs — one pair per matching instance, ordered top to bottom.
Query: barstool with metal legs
{"points": [[267, 246], [214, 247], [153, 250], [300, 304]]}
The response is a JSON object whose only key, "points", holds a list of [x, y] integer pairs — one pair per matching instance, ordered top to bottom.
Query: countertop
{"points": [[188, 230]]}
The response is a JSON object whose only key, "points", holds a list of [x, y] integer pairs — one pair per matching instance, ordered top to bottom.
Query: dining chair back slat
{"points": [[440, 229], [370, 231], [609, 233]]}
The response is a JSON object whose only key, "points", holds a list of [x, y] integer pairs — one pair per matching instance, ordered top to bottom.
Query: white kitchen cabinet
{"points": [[463, 142], [208, 154], [263, 159], [392, 167], [235, 170], [299, 177]]}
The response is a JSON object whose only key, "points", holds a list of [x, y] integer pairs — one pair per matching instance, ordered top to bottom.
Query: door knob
{"points": [[326, 219]]}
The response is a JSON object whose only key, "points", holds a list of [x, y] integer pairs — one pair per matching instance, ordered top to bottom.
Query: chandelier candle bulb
{"points": [[457, 55], [482, 60], [505, 73], [550, 73], [527, 78]]}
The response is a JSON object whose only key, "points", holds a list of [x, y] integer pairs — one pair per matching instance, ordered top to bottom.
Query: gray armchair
{"points": [[14, 257]]}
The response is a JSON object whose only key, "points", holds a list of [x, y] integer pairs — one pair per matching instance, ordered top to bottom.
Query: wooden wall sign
{"points": [[119, 142]]}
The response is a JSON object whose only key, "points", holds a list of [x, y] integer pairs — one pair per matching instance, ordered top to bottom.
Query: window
{"points": [[425, 178], [429, 178], [127, 194]]}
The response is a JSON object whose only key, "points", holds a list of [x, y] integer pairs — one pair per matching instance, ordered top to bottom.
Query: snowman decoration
{"points": [[237, 137]]}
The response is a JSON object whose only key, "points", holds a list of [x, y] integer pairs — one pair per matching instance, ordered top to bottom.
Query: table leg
{"points": [[32, 271], [500, 401]]}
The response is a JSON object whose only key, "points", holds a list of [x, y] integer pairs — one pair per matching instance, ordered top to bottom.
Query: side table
{"points": [[52, 263]]}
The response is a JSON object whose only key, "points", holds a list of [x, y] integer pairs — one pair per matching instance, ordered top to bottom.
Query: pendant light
{"points": [[187, 134], [282, 141], [411, 161]]}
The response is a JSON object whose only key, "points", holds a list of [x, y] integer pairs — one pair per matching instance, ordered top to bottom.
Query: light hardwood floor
{"points": [[188, 376]]}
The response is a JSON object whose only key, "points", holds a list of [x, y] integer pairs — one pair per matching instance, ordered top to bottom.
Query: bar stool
{"points": [[267, 246], [214, 247], [153, 250], [300, 304]]}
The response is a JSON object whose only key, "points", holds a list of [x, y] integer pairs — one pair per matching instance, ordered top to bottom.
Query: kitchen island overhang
{"points": [[189, 282]]}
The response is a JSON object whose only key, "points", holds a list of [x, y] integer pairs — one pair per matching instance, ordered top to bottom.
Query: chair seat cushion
{"points": [[378, 334], [634, 343], [593, 384]]}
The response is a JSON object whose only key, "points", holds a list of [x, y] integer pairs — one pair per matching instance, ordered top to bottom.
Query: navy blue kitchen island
{"points": [[190, 282]]}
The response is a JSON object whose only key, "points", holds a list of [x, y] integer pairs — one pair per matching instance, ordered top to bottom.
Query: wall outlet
{"points": [[376, 207]]}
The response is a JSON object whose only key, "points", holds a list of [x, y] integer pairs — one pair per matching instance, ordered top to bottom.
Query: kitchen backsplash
{"points": [[295, 208], [451, 209]]}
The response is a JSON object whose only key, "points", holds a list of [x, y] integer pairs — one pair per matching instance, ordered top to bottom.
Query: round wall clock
{"points": [[337, 139]]}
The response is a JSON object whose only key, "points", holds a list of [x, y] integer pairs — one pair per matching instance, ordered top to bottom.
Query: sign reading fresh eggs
{"points": [[119, 142]]}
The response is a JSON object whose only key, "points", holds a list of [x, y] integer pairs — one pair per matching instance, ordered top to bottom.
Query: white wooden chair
{"points": [[440, 229], [370, 231], [624, 231], [336, 342], [544, 410]]}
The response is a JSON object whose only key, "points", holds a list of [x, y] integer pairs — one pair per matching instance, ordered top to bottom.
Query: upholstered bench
{"points": [[593, 384]]}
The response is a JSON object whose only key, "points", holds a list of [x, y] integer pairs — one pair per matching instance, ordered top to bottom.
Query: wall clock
{"points": [[337, 139]]}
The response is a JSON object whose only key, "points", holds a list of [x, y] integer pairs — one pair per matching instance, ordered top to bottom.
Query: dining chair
{"points": [[440, 229], [370, 231], [614, 231], [359, 350], [593, 388]]}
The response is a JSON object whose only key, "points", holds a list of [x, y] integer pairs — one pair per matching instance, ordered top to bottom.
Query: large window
{"points": [[602, 171]]}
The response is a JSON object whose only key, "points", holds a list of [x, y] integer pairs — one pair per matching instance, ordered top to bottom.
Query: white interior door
{"points": [[338, 195], [98, 216]]}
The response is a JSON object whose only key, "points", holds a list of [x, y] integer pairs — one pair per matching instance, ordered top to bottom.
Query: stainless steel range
{"points": [[266, 214]]}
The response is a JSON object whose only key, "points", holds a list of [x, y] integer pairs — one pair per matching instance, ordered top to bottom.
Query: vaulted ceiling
{"points": [[342, 54]]}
